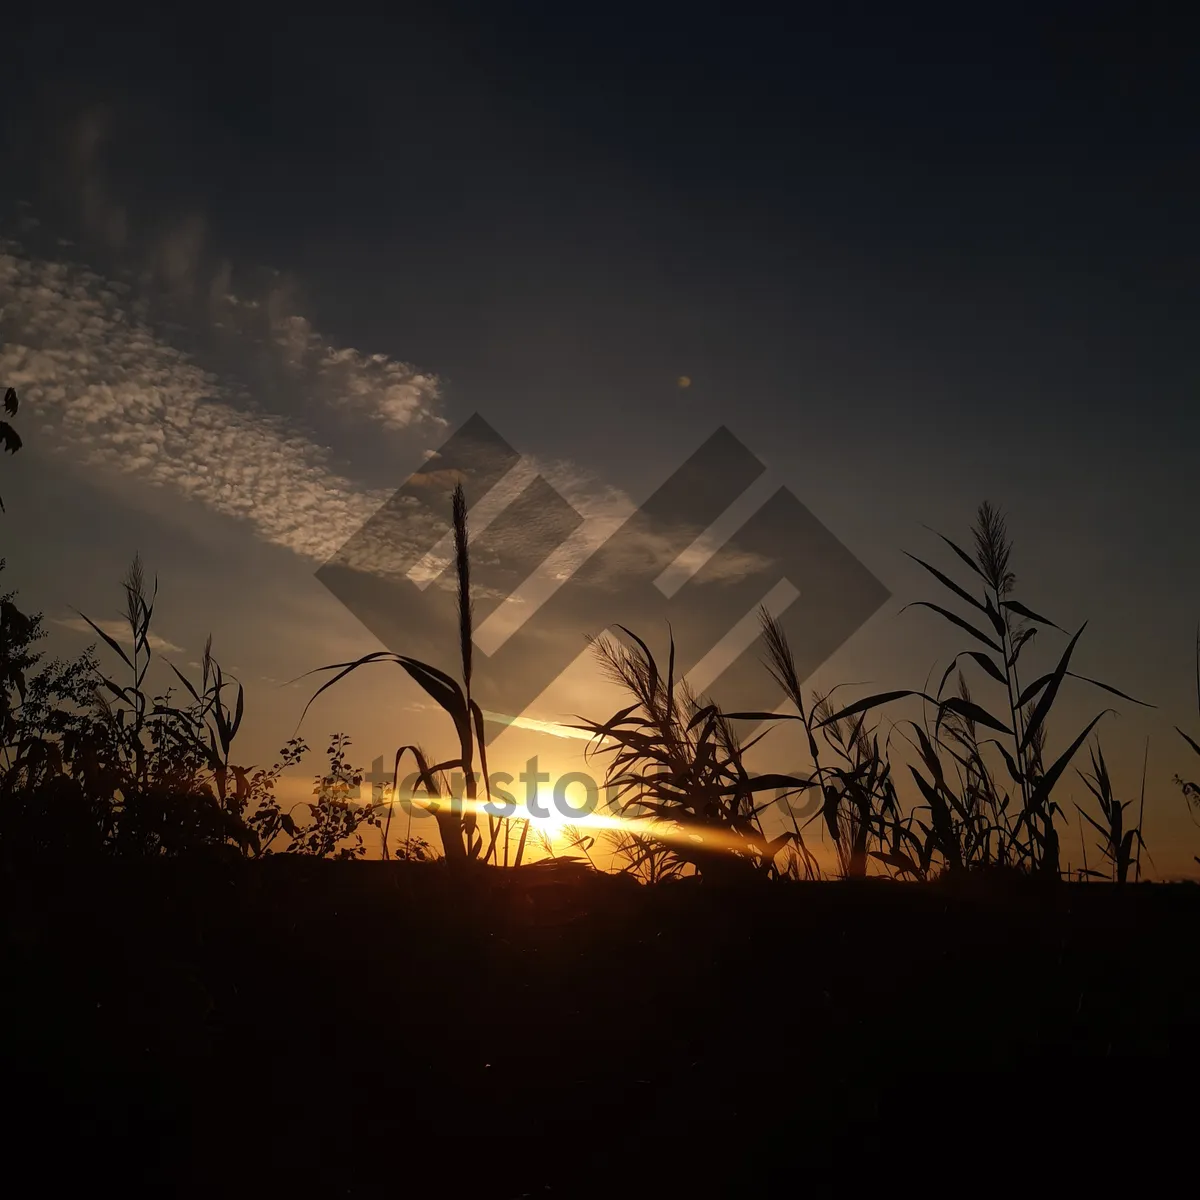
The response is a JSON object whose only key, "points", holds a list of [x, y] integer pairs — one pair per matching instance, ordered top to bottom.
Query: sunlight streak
{"points": [[555, 825]]}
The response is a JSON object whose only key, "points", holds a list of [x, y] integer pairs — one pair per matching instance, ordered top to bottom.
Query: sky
{"points": [[254, 274]]}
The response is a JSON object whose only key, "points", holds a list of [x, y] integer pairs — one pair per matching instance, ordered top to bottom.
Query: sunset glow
{"points": [[753, 455]]}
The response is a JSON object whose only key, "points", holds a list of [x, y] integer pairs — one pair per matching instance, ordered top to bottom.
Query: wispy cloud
{"points": [[116, 369], [114, 394], [395, 394], [119, 632]]}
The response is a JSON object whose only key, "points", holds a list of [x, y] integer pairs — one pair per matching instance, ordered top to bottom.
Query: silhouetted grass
{"points": [[676, 759], [92, 764], [1190, 789], [977, 816], [458, 822], [1119, 843], [193, 976]]}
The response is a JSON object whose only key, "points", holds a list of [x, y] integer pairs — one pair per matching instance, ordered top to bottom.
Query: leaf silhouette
{"points": [[1020, 609], [957, 620]]}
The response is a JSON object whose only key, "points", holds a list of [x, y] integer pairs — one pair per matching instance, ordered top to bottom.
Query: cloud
{"points": [[173, 256], [393, 393], [115, 395], [119, 632]]}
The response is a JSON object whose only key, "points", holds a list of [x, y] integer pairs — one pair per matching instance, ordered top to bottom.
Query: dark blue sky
{"points": [[910, 264]]}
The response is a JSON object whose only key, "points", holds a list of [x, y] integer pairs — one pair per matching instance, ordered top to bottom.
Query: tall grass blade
{"points": [[1044, 705]]}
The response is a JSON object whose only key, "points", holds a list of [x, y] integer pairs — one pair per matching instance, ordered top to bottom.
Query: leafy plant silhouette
{"points": [[10, 439], [336, 815]]}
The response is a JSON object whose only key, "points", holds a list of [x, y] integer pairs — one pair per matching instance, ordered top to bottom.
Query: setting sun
{"points": [[552, 826]]}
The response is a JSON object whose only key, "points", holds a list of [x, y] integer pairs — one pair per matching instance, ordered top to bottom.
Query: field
{"points": [[208, 992], [350, 1028]]}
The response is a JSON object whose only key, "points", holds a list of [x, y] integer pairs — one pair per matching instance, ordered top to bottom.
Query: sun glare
{"points": [[552, 826]]}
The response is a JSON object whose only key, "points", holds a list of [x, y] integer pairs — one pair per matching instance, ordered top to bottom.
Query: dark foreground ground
{"points": [[362, 1029]]}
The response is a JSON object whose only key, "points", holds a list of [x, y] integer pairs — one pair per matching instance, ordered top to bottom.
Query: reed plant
{"points": [[94, 754], [150, 755], [677, 759], [851, 774], [1190, 788], [977, 814], [457, 821], [1118, 842], [644, 857]]}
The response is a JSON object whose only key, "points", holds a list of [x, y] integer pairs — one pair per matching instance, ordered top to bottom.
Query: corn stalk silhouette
{"points": [[457, 822]]}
